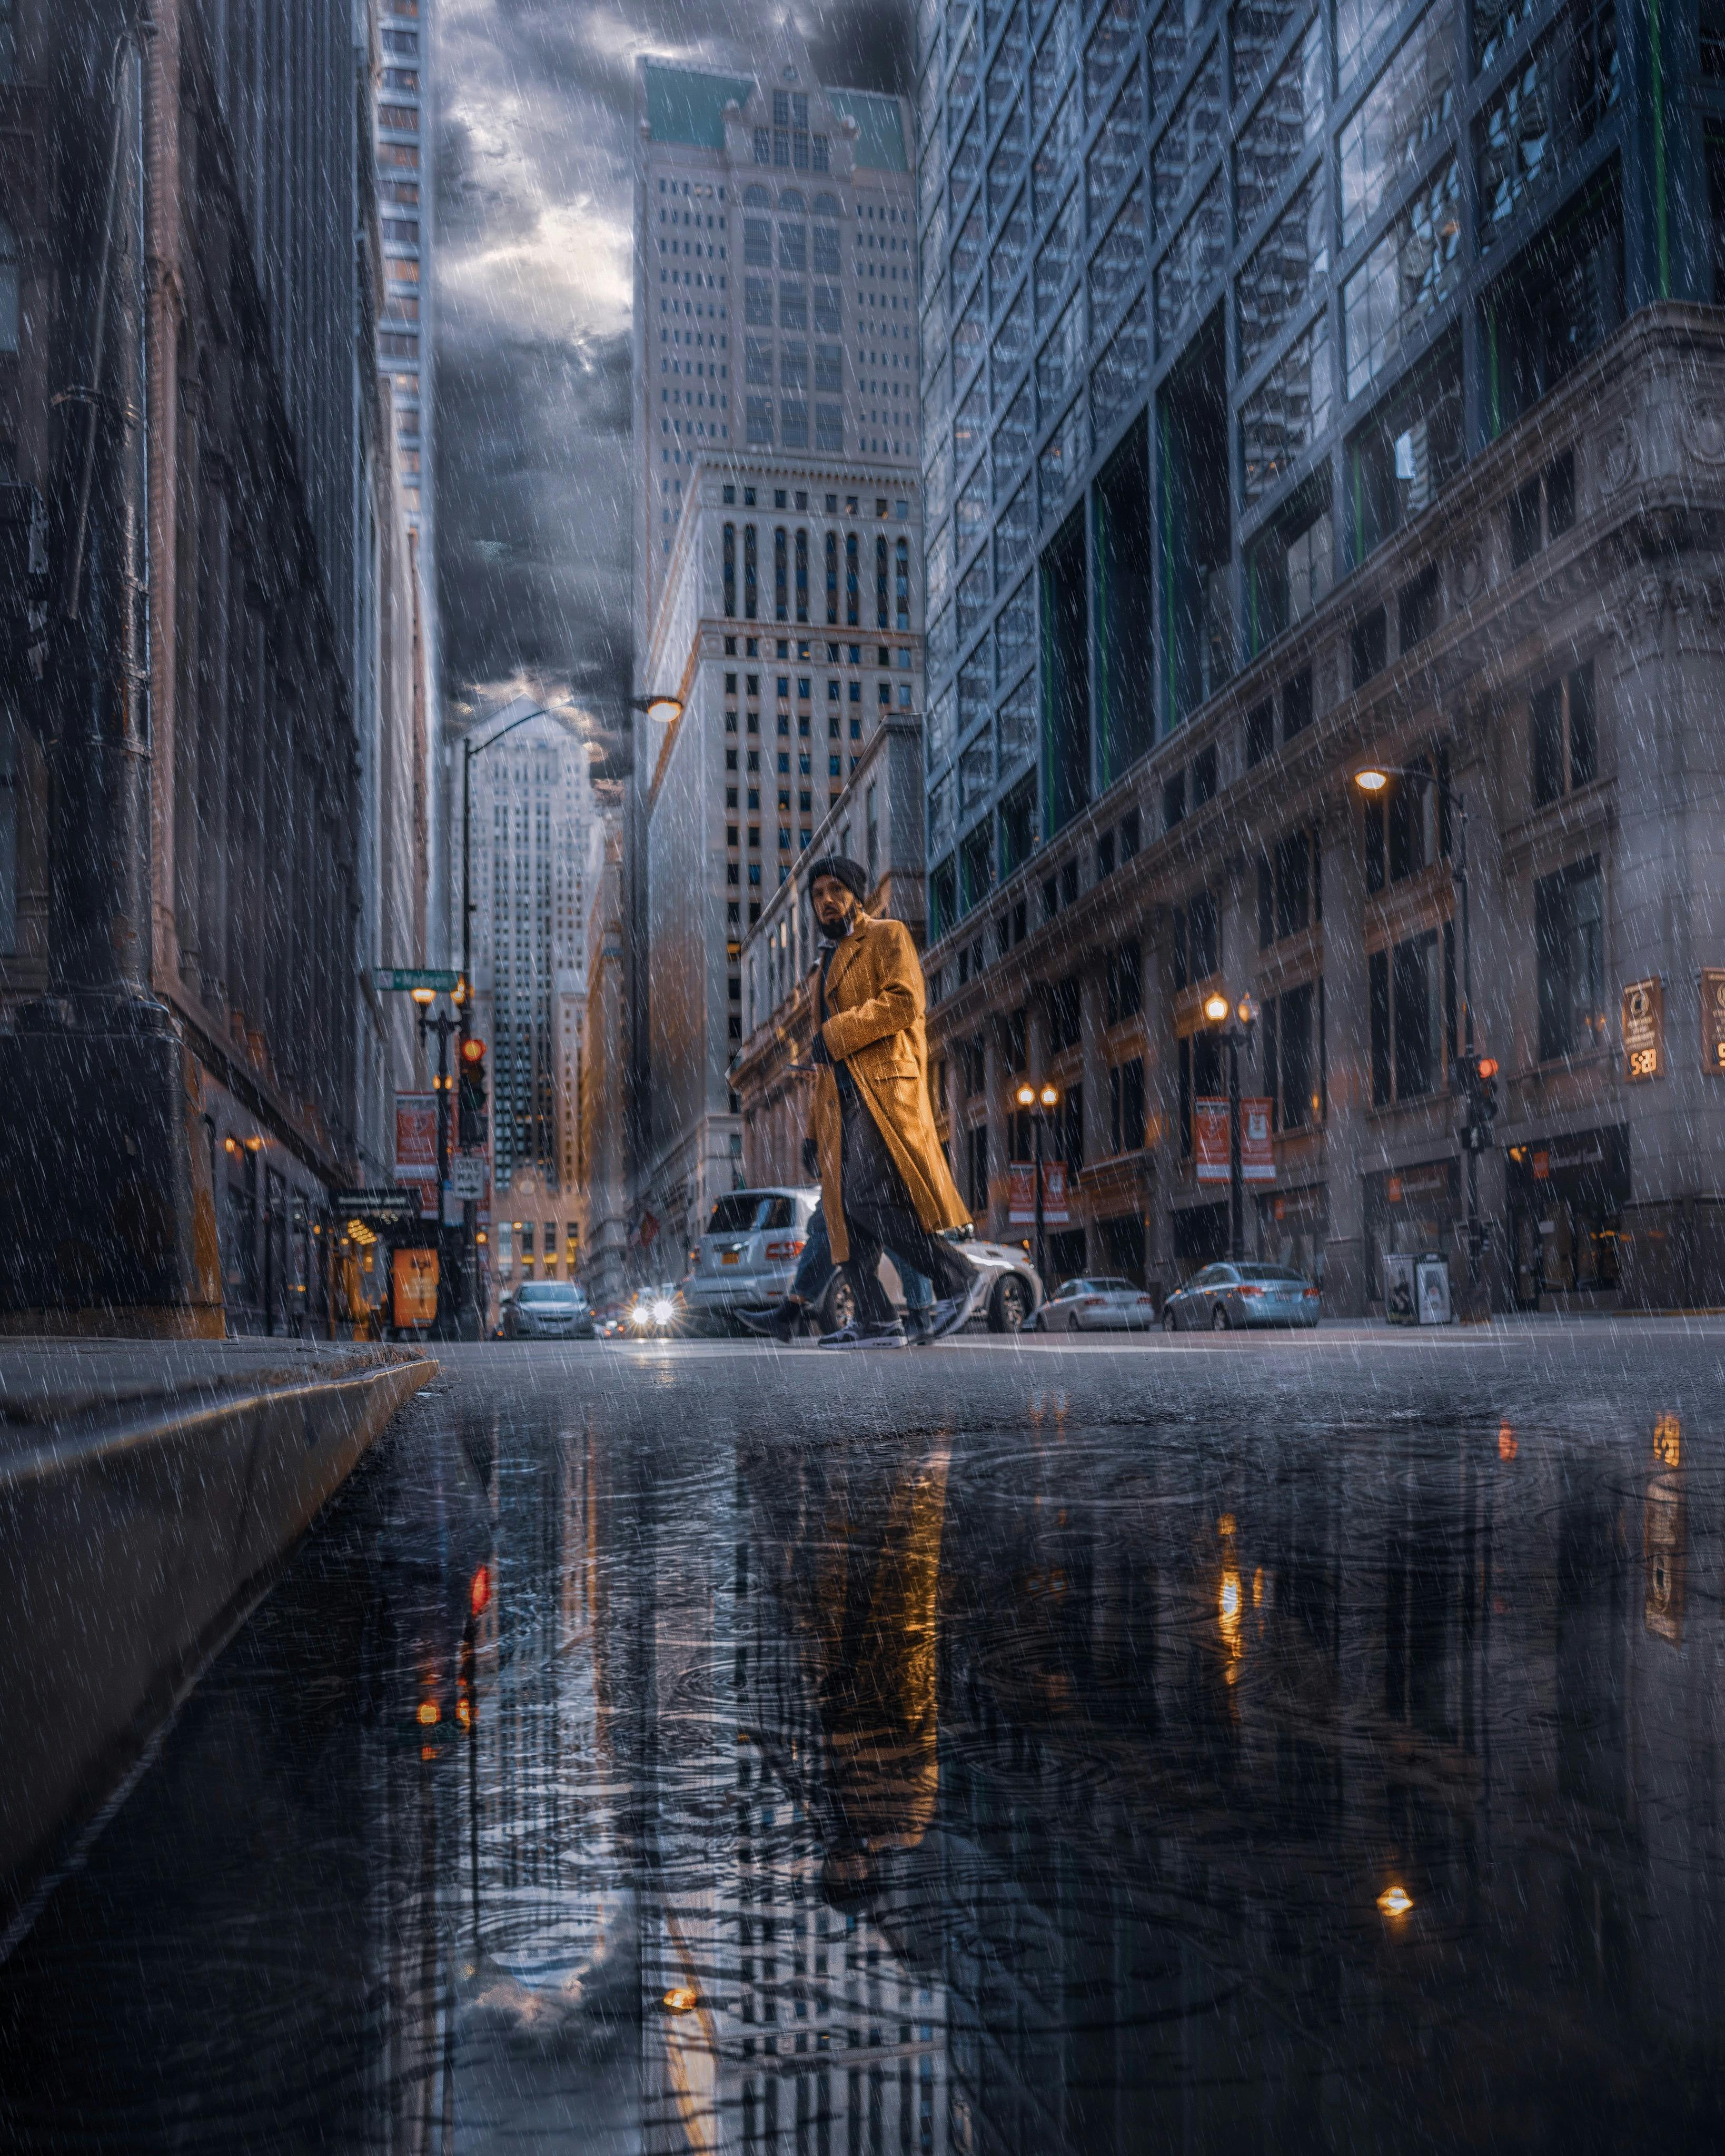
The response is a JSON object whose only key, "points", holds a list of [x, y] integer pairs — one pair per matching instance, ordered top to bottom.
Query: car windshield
{"points": [[745, 1212], [1269, 1273], [1070, 1287], [1112, 1287], [547, 1291]]}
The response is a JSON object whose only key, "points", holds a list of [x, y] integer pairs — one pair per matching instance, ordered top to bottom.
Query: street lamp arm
{"points": [[469, 749]]}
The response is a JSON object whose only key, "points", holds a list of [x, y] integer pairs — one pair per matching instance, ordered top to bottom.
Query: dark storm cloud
{"points": [[534, 472]]}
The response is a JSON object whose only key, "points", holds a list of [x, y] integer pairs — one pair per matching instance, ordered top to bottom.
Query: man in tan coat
{"points": [[885, 1182]]}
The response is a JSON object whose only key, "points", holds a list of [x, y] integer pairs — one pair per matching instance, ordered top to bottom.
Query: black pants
{"points": [[878, 1216]]}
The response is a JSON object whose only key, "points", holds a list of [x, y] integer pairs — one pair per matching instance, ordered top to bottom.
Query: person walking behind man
{"points": [[885, 1182]]}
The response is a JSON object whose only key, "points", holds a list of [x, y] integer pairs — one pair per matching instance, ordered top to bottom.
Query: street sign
{"points": [[402, 979], [1713, 1020], [1644, 1029], [467, 1176], [386, 1201]]}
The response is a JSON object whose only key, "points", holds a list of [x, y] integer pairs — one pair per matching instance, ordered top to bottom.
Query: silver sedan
{"points": [[1224, 1297], [1097, 1306]]}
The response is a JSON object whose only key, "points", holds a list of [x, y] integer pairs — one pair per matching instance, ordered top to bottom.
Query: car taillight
{"points": [[784, 1250], [1246, 1288], [1311, 1295], [1145, 1300]]}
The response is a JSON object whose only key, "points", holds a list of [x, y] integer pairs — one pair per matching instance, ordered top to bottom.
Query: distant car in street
{"points": [[1225, 1296], [1097, 1306], [548, 1310], [655, 1312]]}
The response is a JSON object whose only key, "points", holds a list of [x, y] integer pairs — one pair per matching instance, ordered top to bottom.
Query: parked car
{"points": [[748, 1255], [1015, 1293], [1225, 1295], [1097, 1306], [548, 1310], [654, 1311]]}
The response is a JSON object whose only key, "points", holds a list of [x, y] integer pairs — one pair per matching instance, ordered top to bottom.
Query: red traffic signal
{"points": [[473, 1051], [1488, 1066]]}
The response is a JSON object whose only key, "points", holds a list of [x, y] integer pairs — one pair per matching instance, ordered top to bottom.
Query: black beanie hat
{"points": [[851, 874]]}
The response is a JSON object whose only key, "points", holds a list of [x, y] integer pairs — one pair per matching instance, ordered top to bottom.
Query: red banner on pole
{"points": [[416, 1138], [1209, 1140], [1257, 1148], [1021, 1194]]}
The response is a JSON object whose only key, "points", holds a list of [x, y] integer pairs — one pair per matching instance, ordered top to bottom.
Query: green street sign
{"points": [[402, 978]]}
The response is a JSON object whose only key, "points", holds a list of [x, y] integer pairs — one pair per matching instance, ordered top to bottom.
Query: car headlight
{"points": [[662, 1312]]}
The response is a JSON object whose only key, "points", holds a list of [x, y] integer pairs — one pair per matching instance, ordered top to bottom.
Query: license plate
{"points": [[730, 1257]]}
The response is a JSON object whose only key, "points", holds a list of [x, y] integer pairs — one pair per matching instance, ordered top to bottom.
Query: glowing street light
{"points": [[1038, 1103], [1395, 1901]]}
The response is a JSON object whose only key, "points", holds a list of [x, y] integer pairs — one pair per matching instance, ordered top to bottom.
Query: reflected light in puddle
{"points": [[1506, 1445], [1395, 1901]]}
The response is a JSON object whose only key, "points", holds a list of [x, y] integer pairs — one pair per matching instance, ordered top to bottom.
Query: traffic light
{"points": [[1476, 1088], [470, 1097]]}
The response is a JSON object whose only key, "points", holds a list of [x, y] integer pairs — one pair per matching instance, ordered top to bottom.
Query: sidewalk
{"points": [[146, 1491]]}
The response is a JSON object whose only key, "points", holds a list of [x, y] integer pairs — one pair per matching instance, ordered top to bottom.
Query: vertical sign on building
{"points": [[1713, 1019], [1644, 1029], [1209, 1140], [416, 1147]]}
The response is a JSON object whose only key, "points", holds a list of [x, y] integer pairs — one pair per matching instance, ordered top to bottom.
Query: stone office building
{"points": [[1374, 420]]}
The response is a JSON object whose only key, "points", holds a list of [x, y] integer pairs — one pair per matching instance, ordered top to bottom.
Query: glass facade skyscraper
{"points": [[1215, 299]]}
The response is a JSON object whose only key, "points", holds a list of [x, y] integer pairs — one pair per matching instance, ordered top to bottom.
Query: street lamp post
{"points": [[1218, 1011], [446, 1028], [1472, 1075], [1039, 1104]]}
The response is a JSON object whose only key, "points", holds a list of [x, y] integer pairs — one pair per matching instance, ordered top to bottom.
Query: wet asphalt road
{"points": [[1249, 1744]]}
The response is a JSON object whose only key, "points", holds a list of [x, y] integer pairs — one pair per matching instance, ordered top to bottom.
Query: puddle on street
{"points": [[1016, 1787]]}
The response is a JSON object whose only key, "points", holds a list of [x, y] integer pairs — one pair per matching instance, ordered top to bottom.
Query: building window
{"points": [[10, 319], [832, 555], [781, 576], [730, 581], [853, 582], [901, 584], [803, 585], [750, 595], [882, 620], [1564, 736], [1569, 938], [1197, 940], [1124, 983], [1412, 994], [1292, 1039], [1126, 1106], [976, 1150]]}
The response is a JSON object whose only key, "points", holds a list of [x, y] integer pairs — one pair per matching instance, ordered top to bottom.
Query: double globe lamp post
{"points": [[1038, 1102]]}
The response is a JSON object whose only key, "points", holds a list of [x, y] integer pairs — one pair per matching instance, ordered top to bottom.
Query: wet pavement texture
{"points": [[1199, 1746]]}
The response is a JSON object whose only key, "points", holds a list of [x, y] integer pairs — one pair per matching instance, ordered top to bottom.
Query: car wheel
{"points": [[840, 1306], [1009, 1306], [1170, 1323], [1218, 1323]]}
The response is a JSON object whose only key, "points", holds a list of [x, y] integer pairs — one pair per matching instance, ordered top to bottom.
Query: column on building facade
{"points": [[1492, 971], [1347, 1035], [1093, 1052], [997, 1081], [1162, 1106]]}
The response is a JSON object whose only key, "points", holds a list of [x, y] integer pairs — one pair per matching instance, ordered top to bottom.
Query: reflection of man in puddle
{"points": [[865, 1612]]}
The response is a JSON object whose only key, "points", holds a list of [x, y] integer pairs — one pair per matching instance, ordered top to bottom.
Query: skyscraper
{"points": [[1284, 388], [777, 541], [530, 861]]}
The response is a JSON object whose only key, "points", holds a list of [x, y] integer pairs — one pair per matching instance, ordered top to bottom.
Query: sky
{"points": [[534, 283]]}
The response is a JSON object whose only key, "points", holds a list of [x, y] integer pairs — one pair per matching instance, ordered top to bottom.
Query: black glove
{"points": [[817, 1051], [811, 1158]]}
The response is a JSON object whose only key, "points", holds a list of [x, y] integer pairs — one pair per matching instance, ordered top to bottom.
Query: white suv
{"points": [[749, 1252]]}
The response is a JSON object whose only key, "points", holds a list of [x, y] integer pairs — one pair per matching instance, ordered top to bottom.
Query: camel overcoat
{"points": [[875, 1004]]}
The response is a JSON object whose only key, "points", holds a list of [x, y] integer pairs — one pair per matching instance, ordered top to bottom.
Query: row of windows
{"points": [[791, 576]]}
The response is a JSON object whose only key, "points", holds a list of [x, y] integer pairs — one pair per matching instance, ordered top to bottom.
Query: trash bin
{"points": [[1432, 1289]]}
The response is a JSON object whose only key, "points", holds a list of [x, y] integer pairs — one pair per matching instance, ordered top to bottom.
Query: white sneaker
{"points": [[954, 1314], [866, 1335]]}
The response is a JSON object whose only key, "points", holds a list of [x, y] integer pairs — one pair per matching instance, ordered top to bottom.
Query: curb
{"points": [[131, 1548]]}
